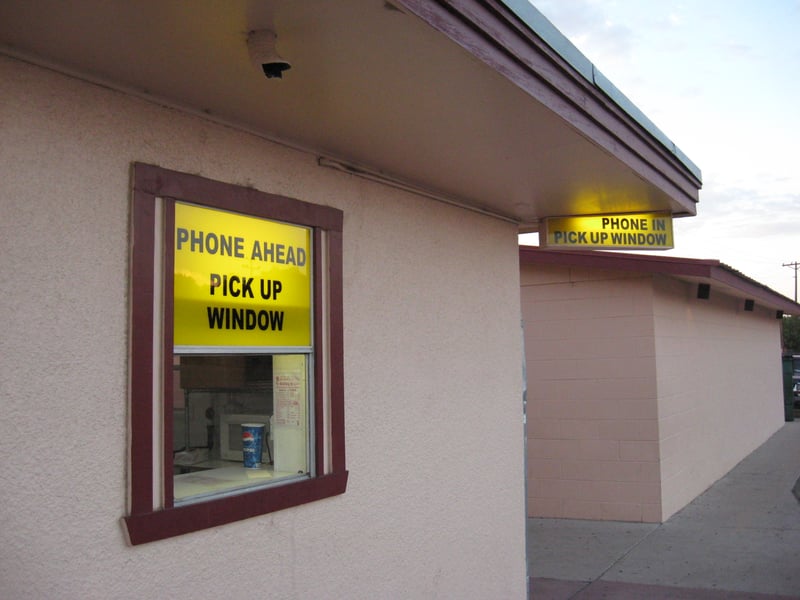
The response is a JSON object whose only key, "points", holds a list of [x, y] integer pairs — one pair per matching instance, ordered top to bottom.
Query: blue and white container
{"points": [[252, 444]]}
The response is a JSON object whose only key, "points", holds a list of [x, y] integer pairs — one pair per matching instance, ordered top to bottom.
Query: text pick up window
{"points": [[236, 354]]}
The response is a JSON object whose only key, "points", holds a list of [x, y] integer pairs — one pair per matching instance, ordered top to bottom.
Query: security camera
{"points": [[261, 45], [275, 69]]}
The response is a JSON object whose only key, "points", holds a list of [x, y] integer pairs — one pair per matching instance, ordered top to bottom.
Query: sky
{"points": [[721, 79]]}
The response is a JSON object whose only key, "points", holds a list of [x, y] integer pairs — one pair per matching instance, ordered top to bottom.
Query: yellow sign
{"points": [[640, 231], [240, 280]]}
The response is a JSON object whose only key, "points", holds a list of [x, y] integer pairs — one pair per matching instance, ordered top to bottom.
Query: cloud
{"points": [[587, 24], [717, 78]]}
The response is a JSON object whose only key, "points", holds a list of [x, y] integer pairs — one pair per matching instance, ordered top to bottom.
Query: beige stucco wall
{"points": [[719, 386], [640, 395], [592, 414], [435, 502]]}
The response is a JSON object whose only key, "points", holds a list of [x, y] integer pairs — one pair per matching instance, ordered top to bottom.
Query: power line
{"points": [[794, 265]]}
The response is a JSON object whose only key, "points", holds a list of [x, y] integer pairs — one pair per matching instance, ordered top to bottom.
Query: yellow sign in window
{"points": [[640, 231], [240, 280]]}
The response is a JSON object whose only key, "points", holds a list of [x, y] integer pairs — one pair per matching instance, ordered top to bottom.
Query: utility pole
{"points": [[794, 265]]}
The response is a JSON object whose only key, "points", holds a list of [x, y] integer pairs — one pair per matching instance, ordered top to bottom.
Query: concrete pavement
{"points": [[739, 539]]}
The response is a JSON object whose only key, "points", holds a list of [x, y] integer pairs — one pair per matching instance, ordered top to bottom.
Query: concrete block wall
{"points": [[718, 386], [640, 395], [593, 441]]}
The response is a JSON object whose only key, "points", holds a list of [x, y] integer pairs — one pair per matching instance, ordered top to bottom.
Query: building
{"points": [[360, 213], [649, 378]]}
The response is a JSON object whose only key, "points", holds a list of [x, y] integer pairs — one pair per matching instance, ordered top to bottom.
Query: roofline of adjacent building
{"points": [[710, 271]]}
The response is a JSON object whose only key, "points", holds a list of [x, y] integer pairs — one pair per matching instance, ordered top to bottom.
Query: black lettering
{"points": [[626, 223], [183, 236], [196, 243], [212, 243], [226, 245], [279, 253], [234, 280], [271, 290], [246, 291], [266, 294], [214, 317], [241, 318]]}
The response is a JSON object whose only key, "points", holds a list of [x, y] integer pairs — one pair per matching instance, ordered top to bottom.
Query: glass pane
{"points": [[239, 421]]}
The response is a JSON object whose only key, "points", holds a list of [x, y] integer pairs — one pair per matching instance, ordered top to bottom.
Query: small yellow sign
{"points": [[639, 231], [240, 280]]}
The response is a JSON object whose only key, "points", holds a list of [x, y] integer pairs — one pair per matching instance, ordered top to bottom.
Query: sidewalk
{"points": [[739, 539]]}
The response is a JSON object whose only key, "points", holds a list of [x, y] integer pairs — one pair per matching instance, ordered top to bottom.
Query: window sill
{"points": [[170, 522]]}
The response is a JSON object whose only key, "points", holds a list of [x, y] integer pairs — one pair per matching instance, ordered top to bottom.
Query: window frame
{"points": [[152, 514]]}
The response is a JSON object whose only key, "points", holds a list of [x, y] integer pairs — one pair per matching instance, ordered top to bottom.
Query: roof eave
{"points": [[518, 42]]}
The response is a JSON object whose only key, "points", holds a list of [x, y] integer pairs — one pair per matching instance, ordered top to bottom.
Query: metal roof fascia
{"points": [[539, 24], [542, 27], [753, 289]]}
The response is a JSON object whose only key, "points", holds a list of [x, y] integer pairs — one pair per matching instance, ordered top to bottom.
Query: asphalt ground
{"points": [[739, 539]]}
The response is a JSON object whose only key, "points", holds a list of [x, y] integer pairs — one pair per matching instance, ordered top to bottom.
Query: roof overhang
{"points": [[466, 101], [719, 276]]}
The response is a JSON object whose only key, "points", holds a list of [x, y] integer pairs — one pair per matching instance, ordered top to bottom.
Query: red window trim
{"points": [[150, 182]]}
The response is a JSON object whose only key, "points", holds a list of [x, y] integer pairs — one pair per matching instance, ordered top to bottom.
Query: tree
{"points": [[791, 334]]}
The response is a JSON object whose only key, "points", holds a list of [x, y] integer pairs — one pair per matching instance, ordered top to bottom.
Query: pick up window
{"points": [[236, 391]]}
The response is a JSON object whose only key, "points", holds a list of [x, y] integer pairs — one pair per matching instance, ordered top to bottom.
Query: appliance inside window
{"points": [[213, 397]]}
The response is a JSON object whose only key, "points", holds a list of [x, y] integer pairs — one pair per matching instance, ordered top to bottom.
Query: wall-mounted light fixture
{"points": [[703, 291], [749, 305]]}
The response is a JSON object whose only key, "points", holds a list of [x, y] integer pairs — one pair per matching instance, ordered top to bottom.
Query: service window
{"points": [[236, 392]]}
